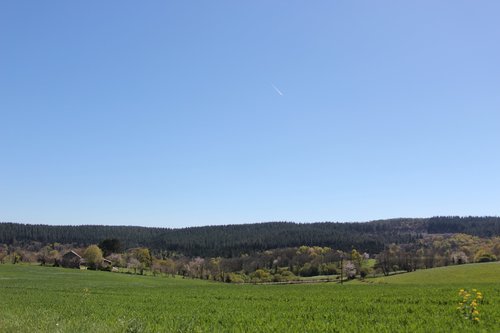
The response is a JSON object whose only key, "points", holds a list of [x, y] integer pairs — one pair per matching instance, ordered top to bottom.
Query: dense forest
{"points": [[234, 240]]}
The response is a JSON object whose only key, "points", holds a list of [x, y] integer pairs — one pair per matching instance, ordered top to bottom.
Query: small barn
{"points": [[72, 260], [106, 263]]}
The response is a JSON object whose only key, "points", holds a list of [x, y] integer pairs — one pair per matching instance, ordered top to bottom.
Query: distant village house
{"points": [[73, 260]]}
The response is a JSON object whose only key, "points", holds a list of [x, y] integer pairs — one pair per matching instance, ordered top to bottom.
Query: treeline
{"points": [[476, 226], [234, 240], [436, 251], [277, 265]]}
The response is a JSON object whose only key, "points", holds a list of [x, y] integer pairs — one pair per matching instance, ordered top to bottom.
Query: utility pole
{"points": [[341, 267]]}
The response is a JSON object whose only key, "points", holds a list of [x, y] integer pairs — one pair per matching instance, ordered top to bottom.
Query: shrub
{"points": [[482, 255], [260, 275]]}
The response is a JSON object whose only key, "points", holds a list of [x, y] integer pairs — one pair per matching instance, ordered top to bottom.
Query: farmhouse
{"points": [[72, 260]]}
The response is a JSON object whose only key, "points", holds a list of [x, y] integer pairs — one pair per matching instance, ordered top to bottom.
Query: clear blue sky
{"points": [[164, 113]]}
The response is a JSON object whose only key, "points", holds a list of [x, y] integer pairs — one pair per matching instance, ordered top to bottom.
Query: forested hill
{"points": [[233, 240]]}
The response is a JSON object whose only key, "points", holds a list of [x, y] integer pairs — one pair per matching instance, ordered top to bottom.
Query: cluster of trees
{"points": [[235, 240], [438, 250], [32, 252], [136, 259], [277, 265], [268, 266]]}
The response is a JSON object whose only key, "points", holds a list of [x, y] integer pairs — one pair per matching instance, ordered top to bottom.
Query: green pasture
{"points": [[466, 275], [46, 299]]}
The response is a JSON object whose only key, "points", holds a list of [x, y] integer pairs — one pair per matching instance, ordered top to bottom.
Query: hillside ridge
{"points": [[235, 239]]}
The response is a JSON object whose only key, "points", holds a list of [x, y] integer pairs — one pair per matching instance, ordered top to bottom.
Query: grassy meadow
{"points": [[46, 299]]}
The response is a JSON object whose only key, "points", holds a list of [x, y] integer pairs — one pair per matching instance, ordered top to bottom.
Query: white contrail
{"points": [[277, 90]]}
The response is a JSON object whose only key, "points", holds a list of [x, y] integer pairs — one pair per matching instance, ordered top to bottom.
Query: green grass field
{"points": [[467, 275], [45, 299]]}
